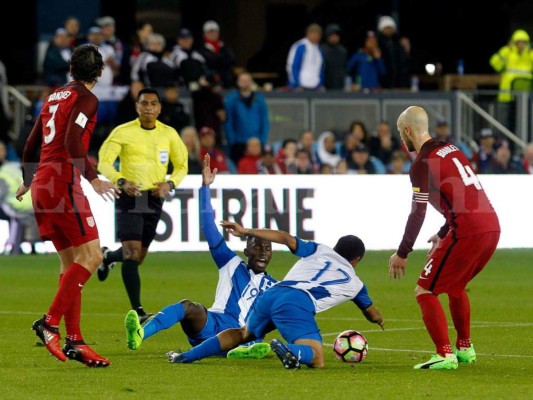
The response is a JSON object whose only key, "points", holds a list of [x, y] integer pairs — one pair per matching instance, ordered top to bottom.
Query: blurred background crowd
{"points": [[224, 57]]}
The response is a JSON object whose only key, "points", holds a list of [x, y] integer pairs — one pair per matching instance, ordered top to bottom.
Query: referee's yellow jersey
{"points": [[143, 154]]}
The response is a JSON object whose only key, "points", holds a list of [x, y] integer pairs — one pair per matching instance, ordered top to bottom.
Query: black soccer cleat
{"points": [[104, 268], [79, 351], [287, 358]]}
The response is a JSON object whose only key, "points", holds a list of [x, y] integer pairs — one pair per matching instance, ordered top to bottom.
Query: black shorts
{"points": [[136, 218]]}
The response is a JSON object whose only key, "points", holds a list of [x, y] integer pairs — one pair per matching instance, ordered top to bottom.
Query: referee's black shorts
{"points": [[136, 218]]}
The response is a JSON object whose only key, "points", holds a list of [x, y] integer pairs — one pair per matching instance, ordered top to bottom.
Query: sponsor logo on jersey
{"points": [[59, 95]]}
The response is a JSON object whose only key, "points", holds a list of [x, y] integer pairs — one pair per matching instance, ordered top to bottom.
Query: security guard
{"points": [[514, 63], [144, 147]]}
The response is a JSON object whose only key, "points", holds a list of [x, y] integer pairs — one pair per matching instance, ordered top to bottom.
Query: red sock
{"points": [[71, 284], [460, 310], [73, 317], [435, 321]]}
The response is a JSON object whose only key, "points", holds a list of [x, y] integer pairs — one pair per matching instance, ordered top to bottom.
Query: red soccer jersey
{"points": [[63, 128], [442, 175]]}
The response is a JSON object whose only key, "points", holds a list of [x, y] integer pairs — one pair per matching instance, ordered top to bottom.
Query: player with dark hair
{"points": [[62, 134], [145, 148], [442, 175], [321, 279], [239, 284]]}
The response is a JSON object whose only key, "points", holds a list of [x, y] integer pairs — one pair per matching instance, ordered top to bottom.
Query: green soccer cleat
{"points": [[134, 330], [256, 350], [467, 356], [439, 362]]}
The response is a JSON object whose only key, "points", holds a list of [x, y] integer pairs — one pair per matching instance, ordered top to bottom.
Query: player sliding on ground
{"points": [[321, 279], [238, 287]]}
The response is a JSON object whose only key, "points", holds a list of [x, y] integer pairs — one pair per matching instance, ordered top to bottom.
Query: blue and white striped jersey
{"points": [[326, 277], [238, 286]]}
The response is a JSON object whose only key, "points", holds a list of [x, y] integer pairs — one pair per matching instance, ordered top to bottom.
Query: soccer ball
{"points": [[350, 346]]}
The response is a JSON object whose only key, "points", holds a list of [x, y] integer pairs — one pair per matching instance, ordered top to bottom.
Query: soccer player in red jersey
{"points": [[62, 133], [443, 176]]}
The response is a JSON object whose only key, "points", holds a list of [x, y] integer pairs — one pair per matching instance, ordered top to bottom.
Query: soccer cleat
{"points": [[104, 267], [134, 330], [50, 338], [256, 350], [79, 351], [467, 356], [286, 357], [178, 358], [439, 362]]}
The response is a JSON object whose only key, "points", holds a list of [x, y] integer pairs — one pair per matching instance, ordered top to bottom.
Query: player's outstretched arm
{"points": [[281, 237], [373, 315]]}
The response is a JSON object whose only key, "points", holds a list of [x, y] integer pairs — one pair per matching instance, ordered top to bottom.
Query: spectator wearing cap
{"points": [[108, 27], [394, 56], [220, 58], [335, 58], [305, 61], [514, 63], [56, 65], [189, 65], [366, 67], [247, 116], [442, 133], [208, 146], [482, 158], [359, 161], [503, 162], [267, 164]]}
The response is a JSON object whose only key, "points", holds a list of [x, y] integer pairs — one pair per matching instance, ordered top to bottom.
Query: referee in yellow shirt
{"points": [[144, 148]]}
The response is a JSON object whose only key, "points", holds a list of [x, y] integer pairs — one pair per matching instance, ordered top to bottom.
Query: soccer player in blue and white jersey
{"points": [[321, 279], [239, 285]]}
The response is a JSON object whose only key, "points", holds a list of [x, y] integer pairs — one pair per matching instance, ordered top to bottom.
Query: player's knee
{"points": [[132, 254], [96, 257], [191, 309]]}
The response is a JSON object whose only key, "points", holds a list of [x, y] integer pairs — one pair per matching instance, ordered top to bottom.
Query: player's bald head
{"points": [[416, 118]]}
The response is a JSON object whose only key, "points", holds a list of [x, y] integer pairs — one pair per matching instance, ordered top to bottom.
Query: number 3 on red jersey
{"points": [[51, 124]]}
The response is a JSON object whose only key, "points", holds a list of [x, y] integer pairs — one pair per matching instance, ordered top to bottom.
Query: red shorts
{"points": [[63, 214], [455, 262]]}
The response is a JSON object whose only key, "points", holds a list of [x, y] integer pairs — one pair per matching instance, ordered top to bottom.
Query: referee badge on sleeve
{"points": [[163, 156]]}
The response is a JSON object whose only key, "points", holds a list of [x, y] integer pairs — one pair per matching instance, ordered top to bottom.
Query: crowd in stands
{"points": [[229, 117]]}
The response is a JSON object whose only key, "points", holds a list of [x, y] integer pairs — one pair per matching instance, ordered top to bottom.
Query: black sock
{"points": [[114, 256], [132, 282]]}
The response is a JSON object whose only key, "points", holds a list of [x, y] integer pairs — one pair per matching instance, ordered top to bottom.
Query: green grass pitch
{"points": [[502, 320]]}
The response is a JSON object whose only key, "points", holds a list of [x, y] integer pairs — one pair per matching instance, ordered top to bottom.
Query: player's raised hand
{"points": [[208, 175], [106, 189], [21, 191], [234, 228], [434, 240], [397, 266]]}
